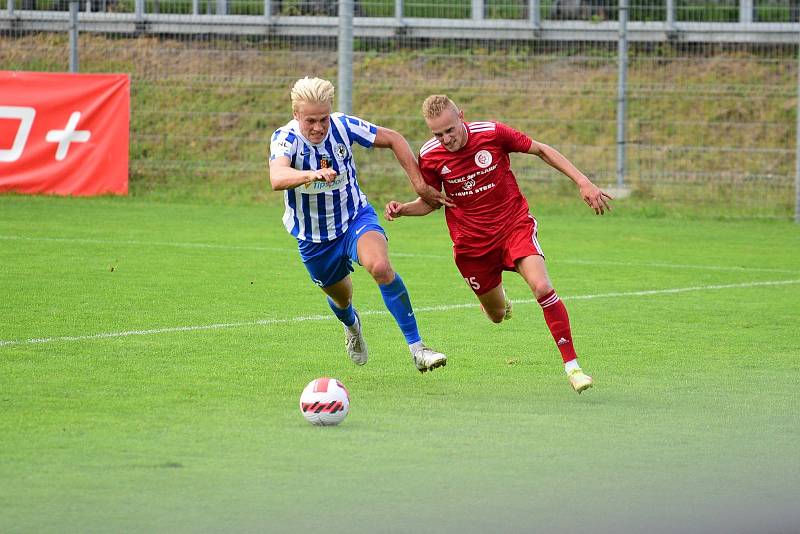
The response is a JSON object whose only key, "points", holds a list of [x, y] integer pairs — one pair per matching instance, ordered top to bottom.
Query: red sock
{"points": [[557, 319]]}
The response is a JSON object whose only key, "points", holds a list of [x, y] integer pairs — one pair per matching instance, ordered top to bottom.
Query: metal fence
{"points": [[678, 101]]}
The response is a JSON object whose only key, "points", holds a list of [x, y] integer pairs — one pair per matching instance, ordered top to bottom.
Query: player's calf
{"points": [[498, 313]]}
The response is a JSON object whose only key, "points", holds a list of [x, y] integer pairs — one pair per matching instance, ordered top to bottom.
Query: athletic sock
{"points": [[395, 296], [346, 316], [557, 319], [414, 347], [571, 365]]}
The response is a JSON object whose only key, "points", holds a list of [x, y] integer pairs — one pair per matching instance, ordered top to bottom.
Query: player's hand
{"points": [[326, 175], [435, 198], [596, 198], [393, 209]]}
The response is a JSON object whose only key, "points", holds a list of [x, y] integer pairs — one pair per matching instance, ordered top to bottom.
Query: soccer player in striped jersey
{"points": [[311, 161], [490, 224]]}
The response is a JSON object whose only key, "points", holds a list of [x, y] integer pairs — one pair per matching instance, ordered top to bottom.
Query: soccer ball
{"points": [[325, 402]]}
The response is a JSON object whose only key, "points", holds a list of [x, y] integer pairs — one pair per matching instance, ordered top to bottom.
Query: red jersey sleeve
{"points": [[512, 140], [429, 173]]}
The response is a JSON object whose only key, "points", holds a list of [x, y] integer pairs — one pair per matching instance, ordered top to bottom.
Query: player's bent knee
{"points": [[382, 272], [541, 289]]}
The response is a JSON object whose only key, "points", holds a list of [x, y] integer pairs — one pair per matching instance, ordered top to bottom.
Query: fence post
{"points": [[10, 7], [195, 7], [222, 7], [138, 9], [477, 10], [268, 11], [398, 11], [745, 11], [534, 13], [671, 15], [73, 35], [345, 44], [622, 103], [797, 145]]}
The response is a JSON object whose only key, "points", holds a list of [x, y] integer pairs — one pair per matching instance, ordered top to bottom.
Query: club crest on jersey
{"points": [[340, 150], [483, 159], [469, 184]]}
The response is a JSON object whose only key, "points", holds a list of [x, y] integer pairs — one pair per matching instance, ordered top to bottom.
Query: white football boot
{"points": [[355, 344], [428, 359], [579, 380]]}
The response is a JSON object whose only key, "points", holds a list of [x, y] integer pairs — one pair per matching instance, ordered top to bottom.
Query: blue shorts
{"points": [[330, 262]]}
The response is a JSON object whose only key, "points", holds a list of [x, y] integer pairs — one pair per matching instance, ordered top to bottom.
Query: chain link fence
{"points": [[710, 89]]}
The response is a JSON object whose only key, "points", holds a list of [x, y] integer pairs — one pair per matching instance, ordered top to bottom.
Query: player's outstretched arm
{"points": [[386, 138], [283, 176], [595, 198], [395, 209]]}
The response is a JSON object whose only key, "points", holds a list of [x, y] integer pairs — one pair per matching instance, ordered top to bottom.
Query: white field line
{"points": [[141, 243], [288, 250], [680, 266], [328, 317]]}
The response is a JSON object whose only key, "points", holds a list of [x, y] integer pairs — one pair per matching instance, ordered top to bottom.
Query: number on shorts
{"points": [[472, 282]]}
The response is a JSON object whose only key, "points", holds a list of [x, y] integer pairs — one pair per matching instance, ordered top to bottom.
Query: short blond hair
{"points": [[312, 91], [435, 105]]}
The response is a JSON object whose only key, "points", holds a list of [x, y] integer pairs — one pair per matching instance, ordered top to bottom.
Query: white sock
{"points": [[355, 327], [414, 347], [571, 365]]}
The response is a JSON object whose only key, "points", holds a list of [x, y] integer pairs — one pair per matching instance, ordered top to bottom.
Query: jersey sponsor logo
{"points": [[483, 159], [325, 162], [445, 170], [471, 175], [469, 184], [317, 187], [475, 191]]}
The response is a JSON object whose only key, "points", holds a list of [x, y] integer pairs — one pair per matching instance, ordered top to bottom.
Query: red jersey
{"points": [[478, 178]]}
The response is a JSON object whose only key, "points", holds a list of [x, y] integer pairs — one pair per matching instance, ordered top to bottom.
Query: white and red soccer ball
{"points": [[325, 402]]}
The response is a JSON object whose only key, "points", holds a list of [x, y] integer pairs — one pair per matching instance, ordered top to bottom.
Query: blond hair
{"points": [[312, 91], [435, 105]]}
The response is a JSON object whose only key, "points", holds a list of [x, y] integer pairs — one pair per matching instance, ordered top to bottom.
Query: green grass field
{"points": [[152, 356]]}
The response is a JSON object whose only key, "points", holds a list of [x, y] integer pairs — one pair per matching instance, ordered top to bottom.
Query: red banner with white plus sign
{"points": [[64, 134]]}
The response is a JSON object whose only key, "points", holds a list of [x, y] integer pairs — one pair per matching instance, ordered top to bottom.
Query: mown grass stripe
{"points": [[290, 250], [446, 307]]}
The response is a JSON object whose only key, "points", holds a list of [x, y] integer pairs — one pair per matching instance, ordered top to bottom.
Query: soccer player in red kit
{"points": [[490, 225]]}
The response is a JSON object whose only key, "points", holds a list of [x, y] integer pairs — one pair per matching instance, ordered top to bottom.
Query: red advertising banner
{"points": [[64, 134]]}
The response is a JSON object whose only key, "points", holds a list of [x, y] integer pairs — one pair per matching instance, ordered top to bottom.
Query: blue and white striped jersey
{"points": [[321, 212]]}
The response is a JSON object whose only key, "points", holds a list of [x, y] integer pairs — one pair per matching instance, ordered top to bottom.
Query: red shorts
{"points": [[484, 272]]}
